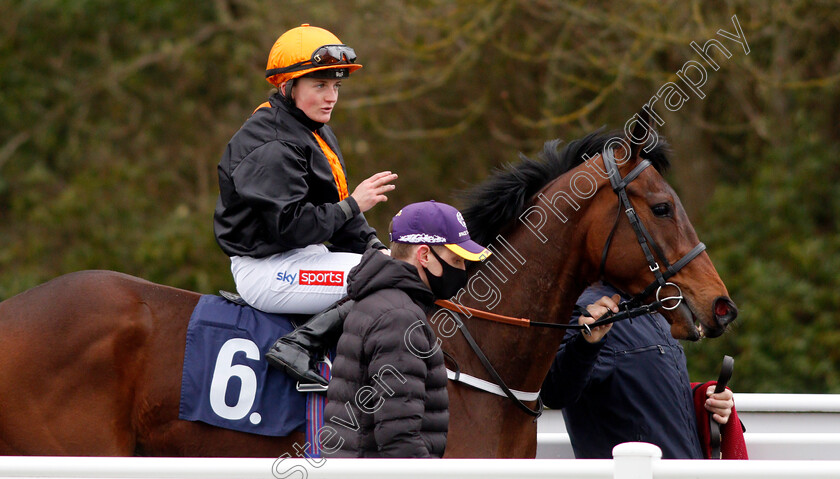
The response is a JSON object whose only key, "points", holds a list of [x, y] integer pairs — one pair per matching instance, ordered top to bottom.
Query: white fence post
{"points": [[635, 460]]}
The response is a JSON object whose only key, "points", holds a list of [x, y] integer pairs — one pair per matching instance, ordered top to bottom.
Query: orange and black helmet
{"points": [[305, 50]]}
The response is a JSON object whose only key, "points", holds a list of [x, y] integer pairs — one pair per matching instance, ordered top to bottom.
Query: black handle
{"points": [[725, 373], [725, 376]]}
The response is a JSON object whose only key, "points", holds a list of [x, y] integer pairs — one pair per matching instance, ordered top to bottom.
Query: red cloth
{"points": [[732, 433]]}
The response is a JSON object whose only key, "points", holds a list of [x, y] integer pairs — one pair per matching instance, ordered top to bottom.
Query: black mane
{"points": [[500, 199]]}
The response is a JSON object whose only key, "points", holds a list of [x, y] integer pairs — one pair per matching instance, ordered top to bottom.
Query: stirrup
{"points": [[310, 387], [315, 387]]}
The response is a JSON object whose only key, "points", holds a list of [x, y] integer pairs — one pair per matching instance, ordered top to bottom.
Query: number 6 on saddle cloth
{"points": [[227, 383]]}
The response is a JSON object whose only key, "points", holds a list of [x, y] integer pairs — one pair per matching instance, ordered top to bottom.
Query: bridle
{"points": [[619, 185], [627, 309]]}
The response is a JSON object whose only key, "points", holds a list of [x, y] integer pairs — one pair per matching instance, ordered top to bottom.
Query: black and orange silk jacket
{"points": [[278, 190]]}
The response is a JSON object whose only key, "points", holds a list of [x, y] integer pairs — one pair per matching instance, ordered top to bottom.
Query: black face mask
{"points": [[451, 279]]}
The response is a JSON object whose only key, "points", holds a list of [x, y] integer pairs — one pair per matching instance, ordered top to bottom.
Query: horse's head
{"points": [[566, 219], [661, 248]]}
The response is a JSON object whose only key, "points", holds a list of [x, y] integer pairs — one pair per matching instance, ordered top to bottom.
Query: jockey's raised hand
{"points": [[372, 190]]}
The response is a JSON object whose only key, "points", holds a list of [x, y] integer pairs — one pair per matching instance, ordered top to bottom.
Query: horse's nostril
{"points": [[725, 311]]}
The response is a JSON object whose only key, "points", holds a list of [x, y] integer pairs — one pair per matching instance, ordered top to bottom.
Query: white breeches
{"points": [[301, 281]]}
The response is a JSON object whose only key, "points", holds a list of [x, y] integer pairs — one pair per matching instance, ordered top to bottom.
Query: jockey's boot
{"points": [[294, 353]]}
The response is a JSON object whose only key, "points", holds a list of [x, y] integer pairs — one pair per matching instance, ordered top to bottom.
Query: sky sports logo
{"points": [[313, 278]]}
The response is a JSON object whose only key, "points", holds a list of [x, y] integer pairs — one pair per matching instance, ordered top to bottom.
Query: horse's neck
{"points": [[538, 270], [527, 278]]}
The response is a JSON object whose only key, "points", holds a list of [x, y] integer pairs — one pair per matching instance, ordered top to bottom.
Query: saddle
{"points": [[234, 298]]}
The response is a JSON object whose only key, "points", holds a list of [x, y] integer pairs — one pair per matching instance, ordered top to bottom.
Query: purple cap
{"points": [[430, 223]]}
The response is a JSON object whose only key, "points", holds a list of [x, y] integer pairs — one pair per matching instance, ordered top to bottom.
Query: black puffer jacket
{"points": [[277, 191], [387, 396]]}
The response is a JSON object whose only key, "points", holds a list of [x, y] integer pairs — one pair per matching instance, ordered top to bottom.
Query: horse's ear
{"points": [[641, 134]]}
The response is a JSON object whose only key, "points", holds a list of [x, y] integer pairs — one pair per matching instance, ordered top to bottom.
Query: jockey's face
{"points": [[316, 97]]}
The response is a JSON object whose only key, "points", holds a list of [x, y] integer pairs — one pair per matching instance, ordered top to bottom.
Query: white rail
{"points": [[820, 403], [779, 427], [785, 431], [631, 461]]}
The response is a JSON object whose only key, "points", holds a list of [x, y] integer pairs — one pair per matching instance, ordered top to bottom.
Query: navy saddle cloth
{"points": [[226, 381]]}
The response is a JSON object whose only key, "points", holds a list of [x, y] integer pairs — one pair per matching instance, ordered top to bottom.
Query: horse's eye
{"points": [[663, 210]]}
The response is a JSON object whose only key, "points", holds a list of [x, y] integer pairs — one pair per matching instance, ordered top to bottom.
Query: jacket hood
{"points": [[378, 271]]}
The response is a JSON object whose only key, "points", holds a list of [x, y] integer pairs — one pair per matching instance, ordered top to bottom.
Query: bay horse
{"points": [[90, 362]]}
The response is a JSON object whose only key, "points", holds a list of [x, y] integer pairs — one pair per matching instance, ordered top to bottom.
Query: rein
{"points": [[629, 309], [608, 317], [477, 383], [498, 386]]}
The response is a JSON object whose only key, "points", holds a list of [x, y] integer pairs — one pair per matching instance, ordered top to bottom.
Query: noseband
{"points": [[619, 185], [628, 309]]}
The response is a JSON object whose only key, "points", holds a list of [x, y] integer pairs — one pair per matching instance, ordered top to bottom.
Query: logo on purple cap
{"points": [[461, 219], [421, 238]]}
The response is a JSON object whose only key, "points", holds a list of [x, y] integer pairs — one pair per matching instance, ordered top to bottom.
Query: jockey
{"points": [[283, 193]]}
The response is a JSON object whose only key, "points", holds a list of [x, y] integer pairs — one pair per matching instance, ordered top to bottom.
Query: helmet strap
{"points": [[286, 93]]}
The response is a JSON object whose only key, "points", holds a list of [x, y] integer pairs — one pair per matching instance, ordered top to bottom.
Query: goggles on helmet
{"points": [[332, 54], [326, 55]]}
